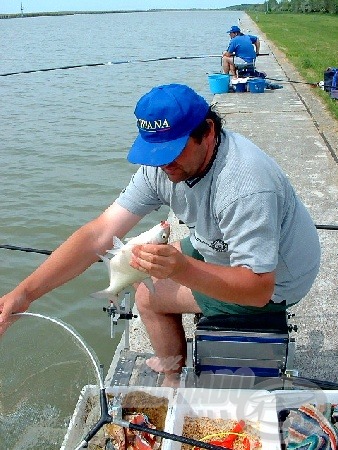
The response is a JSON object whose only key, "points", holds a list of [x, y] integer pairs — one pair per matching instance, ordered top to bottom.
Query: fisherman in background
{"points": [[243, 49], [252, 248]]}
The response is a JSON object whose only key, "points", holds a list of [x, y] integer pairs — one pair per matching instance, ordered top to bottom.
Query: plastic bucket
{"points": [[219, 83], [256, 85], [239, 87]]}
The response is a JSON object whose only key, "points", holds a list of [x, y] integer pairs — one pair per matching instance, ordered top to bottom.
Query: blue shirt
{"points": [[242, 46]]}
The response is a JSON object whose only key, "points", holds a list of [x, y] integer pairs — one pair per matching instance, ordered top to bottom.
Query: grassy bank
{"points": [[309, 42]]}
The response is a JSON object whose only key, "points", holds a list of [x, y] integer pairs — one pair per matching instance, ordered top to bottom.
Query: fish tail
{"points": [[101, 294]]}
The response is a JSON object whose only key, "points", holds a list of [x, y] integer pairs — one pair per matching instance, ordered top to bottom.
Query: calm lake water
{"points": [[64, 136]]}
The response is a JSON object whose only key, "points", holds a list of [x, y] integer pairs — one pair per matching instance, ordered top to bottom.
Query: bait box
{"points": [[291, 399], [256, 407], [87, 410]]}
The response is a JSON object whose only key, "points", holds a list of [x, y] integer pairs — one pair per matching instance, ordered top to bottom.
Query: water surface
{"points": [[64, 137]]}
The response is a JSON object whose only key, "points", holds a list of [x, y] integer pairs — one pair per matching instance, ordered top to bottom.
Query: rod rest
{"points": [[275, 322]]}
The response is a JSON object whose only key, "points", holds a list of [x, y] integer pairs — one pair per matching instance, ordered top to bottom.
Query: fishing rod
{"points": [[259, 54], [133, 61], [109, 63], [293, 81], [327, 227], [26, 249], [48, 252]]}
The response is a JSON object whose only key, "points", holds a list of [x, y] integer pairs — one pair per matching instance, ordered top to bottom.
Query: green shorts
{"points": [[211, 307]]}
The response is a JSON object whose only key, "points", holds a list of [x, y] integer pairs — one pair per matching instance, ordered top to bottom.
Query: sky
{"points": [[32, 6]]}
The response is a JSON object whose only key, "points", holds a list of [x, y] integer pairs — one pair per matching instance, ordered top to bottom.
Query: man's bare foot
{"points": [[155, 364], [161, 365]]}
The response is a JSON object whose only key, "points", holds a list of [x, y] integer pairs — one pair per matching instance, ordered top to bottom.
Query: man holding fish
{"points": [[252, 245]]}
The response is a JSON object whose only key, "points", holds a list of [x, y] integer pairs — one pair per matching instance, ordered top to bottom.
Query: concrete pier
{"points": [[292, 125]]}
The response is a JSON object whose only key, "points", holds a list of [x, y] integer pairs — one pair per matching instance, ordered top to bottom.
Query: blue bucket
{"points": [[219, 83], [256, 85], [239, 87]]}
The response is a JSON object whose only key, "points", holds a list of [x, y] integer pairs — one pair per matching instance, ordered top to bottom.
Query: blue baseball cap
{"points": [[234, 29], [165, 118]]}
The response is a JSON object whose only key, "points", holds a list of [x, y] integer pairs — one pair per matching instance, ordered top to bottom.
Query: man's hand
{"points": [[159, 261], [9, 304]]}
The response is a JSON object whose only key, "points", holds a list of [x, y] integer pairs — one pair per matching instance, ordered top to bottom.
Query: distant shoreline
{"points": [[73, 13]]}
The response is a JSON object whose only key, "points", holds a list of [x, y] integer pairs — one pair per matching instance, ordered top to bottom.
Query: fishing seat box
{"points": [[246, 70], [232, 351]]}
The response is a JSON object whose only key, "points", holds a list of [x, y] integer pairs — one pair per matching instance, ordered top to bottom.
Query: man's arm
{"points": [[231, 50], [226, 53], [69, 260], [230, 284], [238, 285]]}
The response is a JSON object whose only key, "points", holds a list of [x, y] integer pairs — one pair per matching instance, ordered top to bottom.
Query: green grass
{"points": [[310, 42]]}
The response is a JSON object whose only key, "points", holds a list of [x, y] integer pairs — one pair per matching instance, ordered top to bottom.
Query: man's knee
{"points": [[227, 60], [142, 299], [148, 300]]}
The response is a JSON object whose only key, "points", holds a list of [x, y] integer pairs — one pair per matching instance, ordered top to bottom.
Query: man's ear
{"points": [[211, 129]]}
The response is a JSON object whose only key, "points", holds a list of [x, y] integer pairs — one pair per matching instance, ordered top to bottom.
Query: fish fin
{"points": [[117, 243], [113, 251], [105, 260], [150, 285]]}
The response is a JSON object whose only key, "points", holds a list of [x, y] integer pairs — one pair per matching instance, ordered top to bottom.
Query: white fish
{"points": [[121, 274]]}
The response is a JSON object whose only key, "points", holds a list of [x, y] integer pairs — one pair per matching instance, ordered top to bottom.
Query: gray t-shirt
{"points": [[242, 212]]}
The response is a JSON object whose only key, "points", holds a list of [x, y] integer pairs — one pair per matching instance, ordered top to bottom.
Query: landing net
{"points": [[44, 365]]}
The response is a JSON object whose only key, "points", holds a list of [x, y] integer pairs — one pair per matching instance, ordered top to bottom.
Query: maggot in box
{"points": [[153, 402], [257, 410]]}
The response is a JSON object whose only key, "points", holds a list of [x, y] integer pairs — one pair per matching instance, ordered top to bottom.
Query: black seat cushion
{"points": [[269, 322]]}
